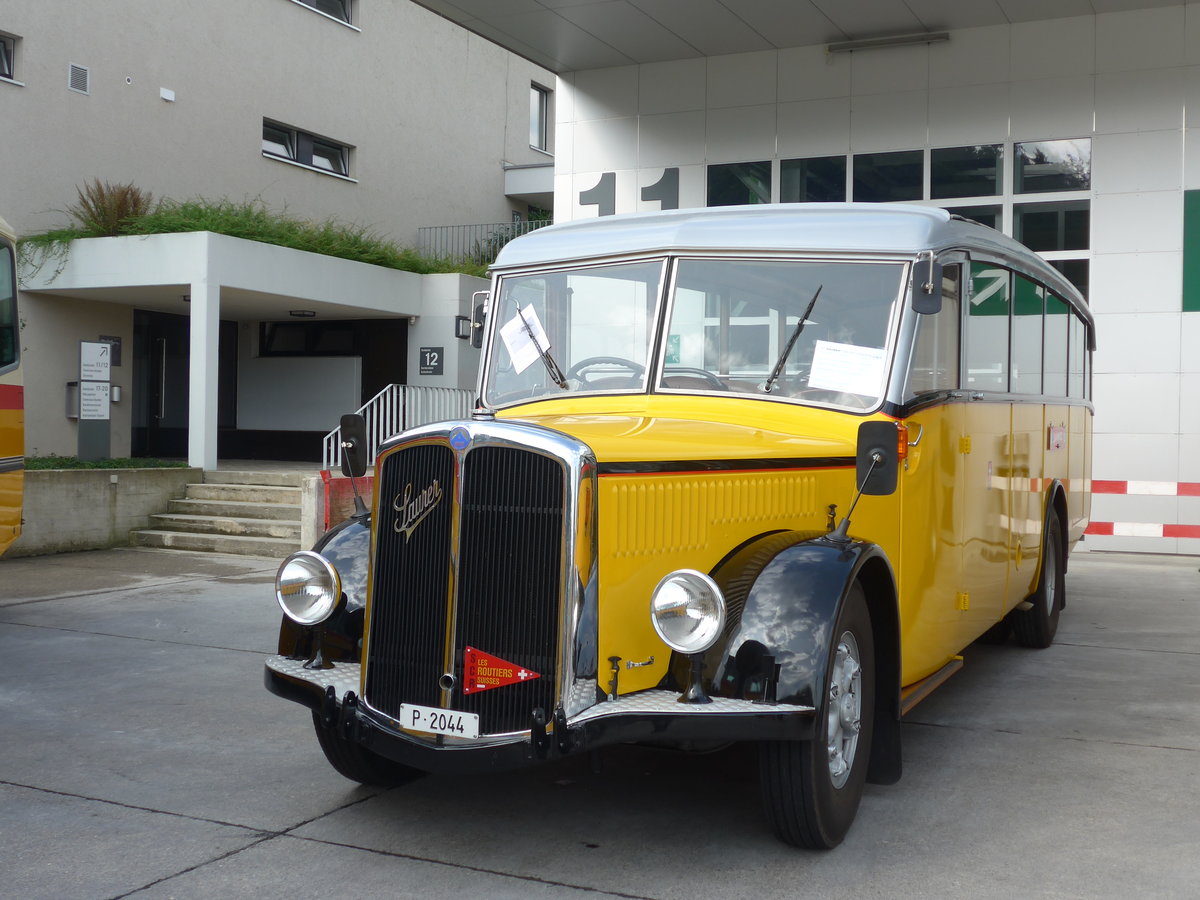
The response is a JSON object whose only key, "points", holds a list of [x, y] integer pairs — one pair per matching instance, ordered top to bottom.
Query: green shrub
{"points": [[105, 210], [36, 463]]}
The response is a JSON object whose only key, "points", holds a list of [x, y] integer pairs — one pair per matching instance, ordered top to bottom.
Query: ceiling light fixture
{"points": [[895, 40], [301, 313]]}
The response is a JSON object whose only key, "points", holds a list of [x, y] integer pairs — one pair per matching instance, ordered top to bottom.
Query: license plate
{"points": [[439, 721]]}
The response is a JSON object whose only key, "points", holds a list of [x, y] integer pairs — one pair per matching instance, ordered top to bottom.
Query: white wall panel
{"points": [[1140, 39], [1054, 48], [971, 56], [889, 70], [809, 73], [742, 79], [672, 86], [606, 93], [1139, 101], [1052, 108], [969, 114], [889, 121], [814, 128], [741, 134], [672, 139], [605, 144], [1137, 161], [692, 187], [1158, 219], [1129, 282], [1137, 342], [1189, 346], [1137, 404], [1189, 409], [1124, 456], [1189, 457]]}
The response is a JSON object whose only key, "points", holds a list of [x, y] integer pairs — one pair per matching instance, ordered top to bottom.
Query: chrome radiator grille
{"points": [[502, 597]]}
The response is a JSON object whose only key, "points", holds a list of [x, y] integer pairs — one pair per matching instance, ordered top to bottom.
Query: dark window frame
{"points": [[341, 10], [8, 56], [539, 117], [304, 148]]}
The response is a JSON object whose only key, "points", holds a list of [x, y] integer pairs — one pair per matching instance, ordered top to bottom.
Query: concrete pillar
{"points": [[202, 372]]}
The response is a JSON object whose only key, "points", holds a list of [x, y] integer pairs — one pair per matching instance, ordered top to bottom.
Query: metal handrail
{"points": [[474, 243], [397, 408]]}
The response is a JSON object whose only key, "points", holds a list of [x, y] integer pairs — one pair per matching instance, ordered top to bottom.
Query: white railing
{"points": [[397, 408]]}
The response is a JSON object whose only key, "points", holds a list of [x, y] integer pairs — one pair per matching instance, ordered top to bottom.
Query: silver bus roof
{"points": [[842, 228]]}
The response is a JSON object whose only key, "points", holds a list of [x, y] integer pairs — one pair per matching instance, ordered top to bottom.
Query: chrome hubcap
{"points": [[845, 709]]}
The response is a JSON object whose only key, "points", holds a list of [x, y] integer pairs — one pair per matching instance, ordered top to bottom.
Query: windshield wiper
{"points": [[787, 351], [552, 368]]}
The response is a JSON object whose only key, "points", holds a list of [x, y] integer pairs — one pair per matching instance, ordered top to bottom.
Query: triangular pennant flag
{"points": [[484, 671]]}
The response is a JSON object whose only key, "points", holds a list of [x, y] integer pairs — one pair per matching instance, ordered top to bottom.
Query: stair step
{"points": [[281, 479], [247, 493], [236, 509], [227, 525], [240, 545]]}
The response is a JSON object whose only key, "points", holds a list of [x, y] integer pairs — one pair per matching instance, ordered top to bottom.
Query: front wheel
{"points": [[1037, 625], [357, 763], [811, 789]]}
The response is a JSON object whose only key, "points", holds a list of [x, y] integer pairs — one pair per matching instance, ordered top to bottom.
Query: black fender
{"points": [[347, 547], [784, 592]]}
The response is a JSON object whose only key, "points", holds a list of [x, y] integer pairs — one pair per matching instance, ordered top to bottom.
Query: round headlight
{"points": [[308, 588], [688, 611]]}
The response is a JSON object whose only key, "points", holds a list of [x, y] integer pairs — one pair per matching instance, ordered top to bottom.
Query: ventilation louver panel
{"points": [[77, 78]]}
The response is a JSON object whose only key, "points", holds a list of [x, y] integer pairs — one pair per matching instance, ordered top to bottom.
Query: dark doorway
{"points": [[161, 351]]}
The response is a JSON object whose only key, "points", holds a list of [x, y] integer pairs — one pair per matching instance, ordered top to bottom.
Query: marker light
{"points": [[308, 588], [688, 611]]}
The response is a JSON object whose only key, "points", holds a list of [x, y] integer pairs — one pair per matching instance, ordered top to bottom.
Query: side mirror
{"points": [[926, 285], [478, 318], [354, 445], [877, 462]]}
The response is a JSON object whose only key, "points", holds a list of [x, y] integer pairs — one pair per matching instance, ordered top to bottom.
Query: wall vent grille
{"points": [[78, 78]]}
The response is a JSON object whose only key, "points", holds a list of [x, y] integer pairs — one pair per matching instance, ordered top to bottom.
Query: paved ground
{"points": [[141, 757]]}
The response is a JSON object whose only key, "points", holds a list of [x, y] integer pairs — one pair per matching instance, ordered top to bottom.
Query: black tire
{"points": [[1035, 627], [357, 763], [807, 803]]}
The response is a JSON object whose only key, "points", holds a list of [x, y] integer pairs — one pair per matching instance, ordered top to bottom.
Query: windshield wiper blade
{"points": [[787, 351], [552, 368]]}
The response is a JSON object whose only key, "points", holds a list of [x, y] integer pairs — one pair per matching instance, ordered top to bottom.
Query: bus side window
{"points": [[1028, 305], [1058, 316], [987, 328], [1078, 353], [934, 363]]}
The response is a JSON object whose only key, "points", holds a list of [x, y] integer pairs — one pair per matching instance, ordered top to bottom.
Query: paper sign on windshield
{"points": [[523, 350], [847, 368]]}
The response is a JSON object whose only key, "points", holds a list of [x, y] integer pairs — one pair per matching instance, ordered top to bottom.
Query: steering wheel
{"points": [[576, 371], [704, 374]]}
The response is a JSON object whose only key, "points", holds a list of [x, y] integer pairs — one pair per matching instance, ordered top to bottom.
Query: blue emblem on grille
{"points": [[460, 438]]}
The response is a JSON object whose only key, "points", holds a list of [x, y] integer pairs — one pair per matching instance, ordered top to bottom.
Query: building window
{"points": [[335, 9], [8, 53], [539, 118], [300, 147], [1042, 166], [965, 171], [884, 177], [819, 179], [736, 184]]}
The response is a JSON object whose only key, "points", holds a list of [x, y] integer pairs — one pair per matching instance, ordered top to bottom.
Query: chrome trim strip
{"points": [[12, 463]]}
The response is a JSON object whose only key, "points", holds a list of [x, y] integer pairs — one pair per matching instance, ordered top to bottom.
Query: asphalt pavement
{"points": [[140, 756]]}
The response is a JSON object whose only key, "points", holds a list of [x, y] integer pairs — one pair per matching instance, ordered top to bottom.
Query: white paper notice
{"points": [[521, 348], [847, 368]]}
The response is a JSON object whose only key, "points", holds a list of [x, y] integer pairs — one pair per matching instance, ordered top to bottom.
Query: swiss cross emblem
{"points": [[484, 671]]}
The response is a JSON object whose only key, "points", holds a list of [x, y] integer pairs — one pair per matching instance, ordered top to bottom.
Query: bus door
{"points": [[1029, 438], [986, 449]]}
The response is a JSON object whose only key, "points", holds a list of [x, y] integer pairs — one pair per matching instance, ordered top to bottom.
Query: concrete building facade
{"points": [[381, 115], [1080, 119]]}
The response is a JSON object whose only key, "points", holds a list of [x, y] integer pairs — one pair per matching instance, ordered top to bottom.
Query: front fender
{"points": [[347, 546], [784, 592]]}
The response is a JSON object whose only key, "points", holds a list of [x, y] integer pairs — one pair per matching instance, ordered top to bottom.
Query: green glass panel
{"points": [[1191, 251]]}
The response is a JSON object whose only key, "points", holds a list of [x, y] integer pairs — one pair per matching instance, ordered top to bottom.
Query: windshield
{"points": [[573, 331], [811, 331]]}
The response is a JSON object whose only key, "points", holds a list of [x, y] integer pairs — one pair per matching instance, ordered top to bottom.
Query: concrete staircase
{"points": [[244, 513]]}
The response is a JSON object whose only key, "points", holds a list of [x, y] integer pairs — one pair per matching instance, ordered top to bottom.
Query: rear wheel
{"points": [[1036, 626], [357, 763], [811, 789]]}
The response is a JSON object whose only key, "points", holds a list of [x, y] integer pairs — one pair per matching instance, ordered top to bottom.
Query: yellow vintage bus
{"points": [[12, 396], [743, 474]]}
